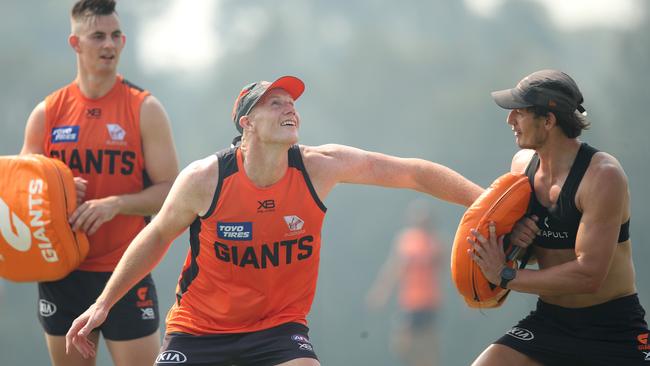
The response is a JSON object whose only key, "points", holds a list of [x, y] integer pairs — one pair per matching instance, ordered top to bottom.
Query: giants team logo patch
{"points": [[116, 131], [65, 134], [294, 222], [235, 230], [144, 304], [643, 338], [644, 344]]}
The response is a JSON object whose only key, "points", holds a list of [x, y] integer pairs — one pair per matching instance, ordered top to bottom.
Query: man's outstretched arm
{"points": [[343, 164]]}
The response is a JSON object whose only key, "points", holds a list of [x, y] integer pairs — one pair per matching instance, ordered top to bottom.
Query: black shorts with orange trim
{"points": [[61, 302], [612, 333], [267, 347]]}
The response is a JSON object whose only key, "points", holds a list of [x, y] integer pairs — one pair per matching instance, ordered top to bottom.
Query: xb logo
{"points": [[93, 112], [266, 204], [20, 238]]}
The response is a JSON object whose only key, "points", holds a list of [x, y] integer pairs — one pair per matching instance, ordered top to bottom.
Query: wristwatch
{"points": [[507, 274]]}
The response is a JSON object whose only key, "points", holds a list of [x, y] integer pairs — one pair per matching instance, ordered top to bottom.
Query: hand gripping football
{"points": [[504, 202]]}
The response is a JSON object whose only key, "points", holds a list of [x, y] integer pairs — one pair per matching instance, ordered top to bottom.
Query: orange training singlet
{"points": [[99, 139], [419, 253], [254, 256]]}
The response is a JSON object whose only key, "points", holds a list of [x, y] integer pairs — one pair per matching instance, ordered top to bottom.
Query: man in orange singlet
{"points": [[116, 139], [255, 213], [414, 267], [588, 311]]}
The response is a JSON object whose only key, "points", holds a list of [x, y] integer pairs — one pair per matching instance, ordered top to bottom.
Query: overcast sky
{"points": [[577, 13], [183, 36]]}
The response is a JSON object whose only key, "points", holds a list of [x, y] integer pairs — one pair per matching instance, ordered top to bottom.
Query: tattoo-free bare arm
{"points": [[34, 131], [160, 160], [332, 164]]}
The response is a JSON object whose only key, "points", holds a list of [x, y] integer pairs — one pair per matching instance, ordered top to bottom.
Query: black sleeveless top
{"points": [[559, 224]]}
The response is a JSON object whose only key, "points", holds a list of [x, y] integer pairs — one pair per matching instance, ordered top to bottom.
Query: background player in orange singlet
{"points": [[116, 138], [255, 214], [413, 266]]}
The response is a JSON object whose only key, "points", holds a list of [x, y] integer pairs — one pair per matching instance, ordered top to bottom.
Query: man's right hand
{"points": [[524, 231], [92, 318]]}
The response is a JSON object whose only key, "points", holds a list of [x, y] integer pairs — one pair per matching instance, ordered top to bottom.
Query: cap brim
{"points": [[294, 86], [509, 99]]}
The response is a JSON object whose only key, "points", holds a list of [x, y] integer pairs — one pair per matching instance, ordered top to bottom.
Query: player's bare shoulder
{"points": [[152, 114], [35, 131], [320, 157], [318, 160], [333, 160], [520, 160], [324, 165], [605, 171], [203, 172], [198, 181], [604, 182]]}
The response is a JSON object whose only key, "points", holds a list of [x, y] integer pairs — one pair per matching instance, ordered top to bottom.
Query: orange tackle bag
{"points": [[37, 195], [504, 202]]}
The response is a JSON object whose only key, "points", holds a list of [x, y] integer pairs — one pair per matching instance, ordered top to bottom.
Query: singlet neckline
{"points": [[112, 90], [249, 182], [568, 184]]}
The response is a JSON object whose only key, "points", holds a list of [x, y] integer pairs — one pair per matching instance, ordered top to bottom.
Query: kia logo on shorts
{"points": [[46, 308], [521, 333], [171, 357]]}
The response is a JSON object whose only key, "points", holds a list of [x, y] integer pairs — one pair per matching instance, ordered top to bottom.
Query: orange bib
{"points": [[100, 140], [37, 195], [504, 202]]}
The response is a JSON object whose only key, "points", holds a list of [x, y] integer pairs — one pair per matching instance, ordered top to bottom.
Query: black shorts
{"points": [[61, 302], [613, 333], [267, 347]]}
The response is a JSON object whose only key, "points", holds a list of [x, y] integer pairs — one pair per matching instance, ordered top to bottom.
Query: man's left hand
{"points": [[93, 213]]}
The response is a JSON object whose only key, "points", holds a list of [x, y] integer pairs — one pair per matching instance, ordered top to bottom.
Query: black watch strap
{"points": [[507, 274]]}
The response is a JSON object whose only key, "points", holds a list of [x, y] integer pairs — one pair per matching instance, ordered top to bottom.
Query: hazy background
{"points": [[409, 78]]}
